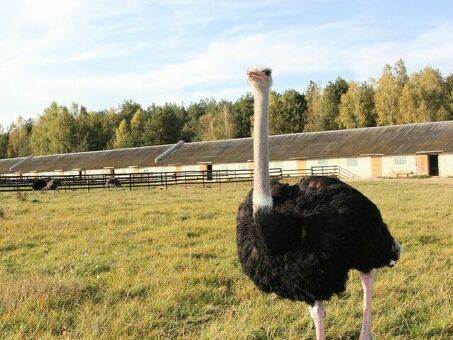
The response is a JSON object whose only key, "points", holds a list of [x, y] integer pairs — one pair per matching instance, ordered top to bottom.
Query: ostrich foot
{"points": [[317, 313]]}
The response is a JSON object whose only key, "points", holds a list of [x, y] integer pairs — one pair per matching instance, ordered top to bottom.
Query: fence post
{"points": [[130, 182], [88, 183], [166, 185]]}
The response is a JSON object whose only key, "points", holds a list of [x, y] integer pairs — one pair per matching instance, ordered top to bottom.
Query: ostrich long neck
{"points": [[262, 198]]}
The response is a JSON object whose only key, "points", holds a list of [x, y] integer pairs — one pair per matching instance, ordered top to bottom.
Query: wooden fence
{"points": [[162, 179], [135, 180]]}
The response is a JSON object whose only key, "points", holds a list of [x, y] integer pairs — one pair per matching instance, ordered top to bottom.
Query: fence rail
{"points": [[163, 179]]}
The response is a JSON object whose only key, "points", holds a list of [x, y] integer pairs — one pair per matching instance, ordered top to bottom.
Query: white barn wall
{"points": [[446, 164], [284, 165], [230, 166], [359, 166], [390, 167], [169, 168], [190, 168], [146, 169], [124, 170], [96, 171], [44, 173], [71, 173]]}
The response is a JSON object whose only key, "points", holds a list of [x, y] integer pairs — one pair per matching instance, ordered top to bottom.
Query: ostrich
{"points": [[112, 183], [39, 184], [53, 184], [300, 241]]}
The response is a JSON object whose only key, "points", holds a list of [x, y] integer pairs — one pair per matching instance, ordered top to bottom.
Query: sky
{"points": [[100, 53]]}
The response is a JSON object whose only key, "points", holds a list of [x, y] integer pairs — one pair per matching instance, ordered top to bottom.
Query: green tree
{"points": [[400, 72], [431, 87], [448, 95], [387, 97], [408, 104], [314, 107], [357, 107], [127, 109], [329, 110], [287, 112], [243, 115], [81, 116], [226, 122], [164, 125], [218, 125], [96, 129], [191, 130], [55, 132], [137, 132], [122, 136], [19, 138], [3, 142]]}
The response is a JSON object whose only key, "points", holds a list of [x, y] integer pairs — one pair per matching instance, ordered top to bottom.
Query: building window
{"points": [[400, 160], [323, 162], [352, 162]]}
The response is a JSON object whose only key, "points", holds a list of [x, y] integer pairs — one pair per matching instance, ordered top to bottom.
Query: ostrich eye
{"points": [[267, 72]]}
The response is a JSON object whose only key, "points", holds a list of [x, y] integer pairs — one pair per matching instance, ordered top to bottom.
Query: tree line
{"points": [[394, 98]]}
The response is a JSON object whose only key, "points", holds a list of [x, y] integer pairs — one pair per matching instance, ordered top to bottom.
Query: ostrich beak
{"points": [[256, 74]]}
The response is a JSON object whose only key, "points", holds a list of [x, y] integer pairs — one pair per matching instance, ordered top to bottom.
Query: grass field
{"points": [[163, 264]]}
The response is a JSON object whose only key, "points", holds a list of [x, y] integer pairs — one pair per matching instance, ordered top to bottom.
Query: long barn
{"points": [[388, 151]]}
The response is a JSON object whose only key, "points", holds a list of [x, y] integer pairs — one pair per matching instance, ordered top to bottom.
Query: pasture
{"points": [[162, 264]]}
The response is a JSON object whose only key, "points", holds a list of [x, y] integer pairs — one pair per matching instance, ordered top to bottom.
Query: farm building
{"points": [[390, 151]]}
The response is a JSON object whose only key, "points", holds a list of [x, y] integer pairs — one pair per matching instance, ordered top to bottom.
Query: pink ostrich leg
{"points": [[367, 284], [317, 313]]}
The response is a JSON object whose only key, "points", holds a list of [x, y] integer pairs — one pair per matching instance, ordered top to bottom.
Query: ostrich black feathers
{"points": [[317, 231]]}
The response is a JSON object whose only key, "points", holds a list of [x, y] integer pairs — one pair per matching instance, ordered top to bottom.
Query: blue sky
{"points": [[99, 53]]}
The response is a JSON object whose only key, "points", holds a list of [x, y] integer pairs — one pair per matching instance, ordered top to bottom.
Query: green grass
{"points": [[162, 264]]}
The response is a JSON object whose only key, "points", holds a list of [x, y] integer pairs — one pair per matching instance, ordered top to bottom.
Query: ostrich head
{"points": [[260, 78]]}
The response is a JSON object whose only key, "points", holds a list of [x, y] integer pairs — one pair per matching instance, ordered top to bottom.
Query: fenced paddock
{"points": [[164, 179], [162, 264]]}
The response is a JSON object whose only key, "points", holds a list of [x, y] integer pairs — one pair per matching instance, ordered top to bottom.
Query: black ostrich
{"points": [[112, 183], [39, 184], [53, 184], [300, 241]]}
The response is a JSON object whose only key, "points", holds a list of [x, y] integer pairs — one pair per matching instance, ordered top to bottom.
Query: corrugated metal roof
{"points": [[387, 140], [119, 158], [7, 165]]}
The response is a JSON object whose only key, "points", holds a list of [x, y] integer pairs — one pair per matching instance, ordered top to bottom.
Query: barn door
{"points": [[433, 161], [422, 165], [376, 166]]}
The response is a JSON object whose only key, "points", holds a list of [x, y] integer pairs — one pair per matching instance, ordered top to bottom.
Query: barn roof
{"points": [[385, 140], [118, 158]]}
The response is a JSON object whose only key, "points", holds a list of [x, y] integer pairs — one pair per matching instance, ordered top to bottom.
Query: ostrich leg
{"points": [[367, 284], [317, 313]]}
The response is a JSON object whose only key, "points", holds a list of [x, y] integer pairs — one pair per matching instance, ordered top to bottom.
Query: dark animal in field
{"points": [[113, 183], [39, 184], [53, 184], [300, 241]]}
